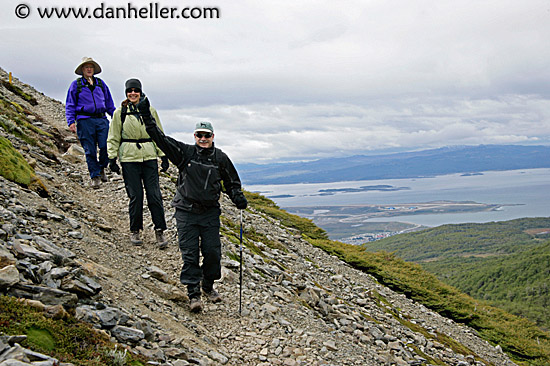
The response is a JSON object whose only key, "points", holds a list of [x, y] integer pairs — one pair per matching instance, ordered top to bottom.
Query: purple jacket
{"points": [[91, 102]]}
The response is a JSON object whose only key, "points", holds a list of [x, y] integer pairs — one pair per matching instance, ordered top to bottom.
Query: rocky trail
{"points": [[300, 305]]}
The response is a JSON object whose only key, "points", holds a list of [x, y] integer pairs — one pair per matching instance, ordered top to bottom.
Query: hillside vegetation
{"points": [[14, 120], [505, 263], [519, 337]]}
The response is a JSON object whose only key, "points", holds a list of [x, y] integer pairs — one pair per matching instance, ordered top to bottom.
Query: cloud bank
{"points": [[290, 80]]}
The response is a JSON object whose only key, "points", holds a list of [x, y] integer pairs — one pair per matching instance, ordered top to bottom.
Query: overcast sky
{"points": [[292, 80]]}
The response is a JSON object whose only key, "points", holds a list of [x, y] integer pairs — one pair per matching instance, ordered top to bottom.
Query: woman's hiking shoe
{"points": [[103, 176], [96, 182], [135, 239], [161, 240], [212, 295], [195, 304]]}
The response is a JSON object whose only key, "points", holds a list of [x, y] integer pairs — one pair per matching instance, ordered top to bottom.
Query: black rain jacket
{"points": [[201, 173]]}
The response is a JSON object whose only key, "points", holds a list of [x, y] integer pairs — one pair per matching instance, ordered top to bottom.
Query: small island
{"points": [[379, 187], [364, 212]]}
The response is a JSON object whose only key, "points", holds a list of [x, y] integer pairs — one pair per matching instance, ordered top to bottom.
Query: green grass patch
{"points": [[14, 120], [15, 168], [233, 256], [40, 338], [66, 339], [429, 360]]}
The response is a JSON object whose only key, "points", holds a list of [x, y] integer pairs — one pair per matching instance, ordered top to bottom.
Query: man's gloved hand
{"points": [[145, 112], [164, 164], [114, 166], [240, 201]]}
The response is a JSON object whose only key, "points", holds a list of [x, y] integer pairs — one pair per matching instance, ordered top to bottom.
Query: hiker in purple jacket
{"points": [[88, 99]]}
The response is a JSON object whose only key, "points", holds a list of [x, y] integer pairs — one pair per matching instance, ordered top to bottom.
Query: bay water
{"points": [[521, 193]]}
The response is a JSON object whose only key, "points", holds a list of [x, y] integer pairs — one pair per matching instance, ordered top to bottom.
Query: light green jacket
{"points": [[133, 128]]}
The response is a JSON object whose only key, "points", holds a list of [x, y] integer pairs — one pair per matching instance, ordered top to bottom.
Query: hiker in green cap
{"points": [[129, 142], [202, 169]]}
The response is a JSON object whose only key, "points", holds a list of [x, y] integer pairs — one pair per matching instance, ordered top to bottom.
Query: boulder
{"points": [[9, 276]]}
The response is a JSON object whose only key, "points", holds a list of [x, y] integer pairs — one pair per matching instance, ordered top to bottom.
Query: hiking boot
{"points": [[103, 176], [96, 182], [135, 239], [161, 240], [212, 295], [195, 304]]}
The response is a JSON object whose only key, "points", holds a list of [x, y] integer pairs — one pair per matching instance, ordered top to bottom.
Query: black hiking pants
{"points": [[138, 176], [199, 233]]}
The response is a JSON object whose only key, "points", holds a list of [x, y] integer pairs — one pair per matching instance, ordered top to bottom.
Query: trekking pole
{"points": [[241, 265]]}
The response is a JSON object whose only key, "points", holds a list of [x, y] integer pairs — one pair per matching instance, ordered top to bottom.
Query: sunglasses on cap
{"points": [[200, 135]]}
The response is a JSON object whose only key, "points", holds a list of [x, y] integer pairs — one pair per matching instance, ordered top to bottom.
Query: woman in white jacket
{"points": [[129, 142]]}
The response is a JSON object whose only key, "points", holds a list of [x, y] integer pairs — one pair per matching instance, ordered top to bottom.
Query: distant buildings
{"points": [[366, 237]]}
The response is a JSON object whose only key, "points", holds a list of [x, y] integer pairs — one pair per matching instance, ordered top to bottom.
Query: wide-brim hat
{"points": [[87, 60], [204, 126]]}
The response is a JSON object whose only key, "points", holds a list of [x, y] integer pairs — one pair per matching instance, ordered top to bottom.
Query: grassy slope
{"points": [[14, 121]]}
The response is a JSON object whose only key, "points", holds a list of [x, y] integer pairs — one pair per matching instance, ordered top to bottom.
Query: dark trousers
{"points": [[92, 134], [136, 177], [199, 233]]}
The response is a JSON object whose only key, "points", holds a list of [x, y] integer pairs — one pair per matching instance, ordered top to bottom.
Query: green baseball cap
{"points": [[204, 127]]}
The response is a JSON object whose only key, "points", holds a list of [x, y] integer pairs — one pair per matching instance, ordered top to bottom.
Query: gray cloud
{"points": [[265, 132]]}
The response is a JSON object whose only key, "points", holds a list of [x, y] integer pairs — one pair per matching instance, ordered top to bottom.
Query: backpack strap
{"points": [[101, 84], [78, 90], [123, 114], [137, 141], [217, 157], [218, 161]]}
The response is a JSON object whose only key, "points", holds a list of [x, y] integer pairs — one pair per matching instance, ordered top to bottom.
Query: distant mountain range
{"points": [[425, 163]]}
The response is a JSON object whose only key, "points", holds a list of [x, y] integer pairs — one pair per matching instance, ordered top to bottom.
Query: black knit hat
{"points": [[133, 83]]}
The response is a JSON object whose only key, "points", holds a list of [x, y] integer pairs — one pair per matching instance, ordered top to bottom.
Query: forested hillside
{"points": [[506, 263]]}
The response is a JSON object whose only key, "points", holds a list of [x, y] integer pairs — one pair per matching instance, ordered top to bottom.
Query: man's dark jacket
{"points": [[201, 172]]}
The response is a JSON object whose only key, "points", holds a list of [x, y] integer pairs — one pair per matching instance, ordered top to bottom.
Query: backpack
{"points": [[200, 179]]}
